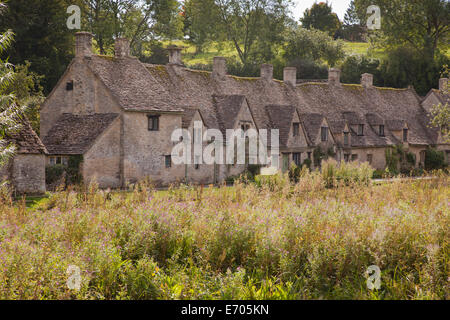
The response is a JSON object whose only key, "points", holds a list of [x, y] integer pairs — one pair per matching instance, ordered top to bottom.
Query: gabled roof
{"points": [[131, 83], [166, 88], [441, 96], [227, 108], [188, 115], [280, 118], [312, 123], [337, 126], [74, 134], [25, 139]]}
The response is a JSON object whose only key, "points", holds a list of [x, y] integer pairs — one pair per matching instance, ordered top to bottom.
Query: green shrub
{"points": [[434, 159], [53, 173], [378, 174]]}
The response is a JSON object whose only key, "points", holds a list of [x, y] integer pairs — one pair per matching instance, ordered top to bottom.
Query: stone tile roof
{"points": [[131, 83], [147, 87], [227, 108], [188, 115], [280, 117], [374, 119], [312, 123], [337, 126], [75, 134], [25, 139]]}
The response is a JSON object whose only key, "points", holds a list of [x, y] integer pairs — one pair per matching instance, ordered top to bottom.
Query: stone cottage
{"points": [[119, 114], [25, 172]]}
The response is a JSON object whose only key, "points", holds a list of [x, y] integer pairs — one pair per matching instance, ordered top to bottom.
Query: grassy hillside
{"points": [[228, 50]]}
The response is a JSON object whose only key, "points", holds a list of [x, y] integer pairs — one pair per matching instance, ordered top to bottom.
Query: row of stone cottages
{"points": [[119, 113]]}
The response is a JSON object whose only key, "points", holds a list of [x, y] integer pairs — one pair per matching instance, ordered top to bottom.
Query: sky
{"points": [[339, 6]]}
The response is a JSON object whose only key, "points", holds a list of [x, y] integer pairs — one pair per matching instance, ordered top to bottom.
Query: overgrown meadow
{"points": [[267, 240]]}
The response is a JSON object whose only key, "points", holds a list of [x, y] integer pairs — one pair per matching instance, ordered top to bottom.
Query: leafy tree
{"points": [[321, 16], [137, 20], [200, 23], [422, 25], [255, 27], [352, 28], [41, 37], [314, 45], [354, 66], [404, 66], [9, 110], [441, 113]]}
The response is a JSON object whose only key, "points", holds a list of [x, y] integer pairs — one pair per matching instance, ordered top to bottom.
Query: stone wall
{"points": [[89, 95], [144, 151], [102, 162], [28, 173]]}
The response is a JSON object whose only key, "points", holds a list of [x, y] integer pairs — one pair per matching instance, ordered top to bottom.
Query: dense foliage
{"points": [[274, 241]]}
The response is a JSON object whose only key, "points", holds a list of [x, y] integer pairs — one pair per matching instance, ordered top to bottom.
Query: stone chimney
{"points": [[83, 44], [122, 47], [175, 55], [219, 68], [267, 72], [290, 75], [334, 76], [367, 80], [443, 84]]}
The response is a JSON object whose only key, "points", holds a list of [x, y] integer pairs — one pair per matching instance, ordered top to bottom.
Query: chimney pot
{"points": [[83, 44], [122, 47], [175, 55], [219, 68], [267, 72], [290, 75], [334, 76], [367, 80], [443, 84]]}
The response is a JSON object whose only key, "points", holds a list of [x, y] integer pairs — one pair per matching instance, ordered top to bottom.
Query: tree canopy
{"points": [[321, 16]]}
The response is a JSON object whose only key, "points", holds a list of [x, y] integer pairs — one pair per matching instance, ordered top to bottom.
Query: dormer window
{"points": [[69, 86], [244, 127], [296, 129], [360, 129], [381, 131], [324, 134], [405, 135], [346, 139]]}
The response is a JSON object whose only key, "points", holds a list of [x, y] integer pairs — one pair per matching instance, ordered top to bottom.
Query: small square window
{"points": [[69, 86], [153, 123], [296, 127], [381, 131], [346, 157], [354, 157], [369, 158], [52, 161], [168, 161]]}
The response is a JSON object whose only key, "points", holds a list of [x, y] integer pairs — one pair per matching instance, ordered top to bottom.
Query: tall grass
{"points": [[272, 241]]}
